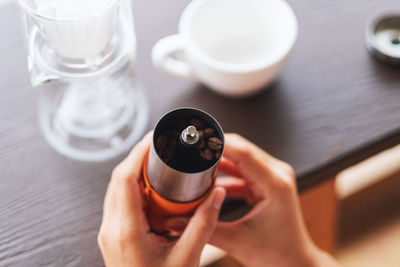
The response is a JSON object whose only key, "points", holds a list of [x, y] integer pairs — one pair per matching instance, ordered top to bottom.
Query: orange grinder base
{"points": [[159, 209]]}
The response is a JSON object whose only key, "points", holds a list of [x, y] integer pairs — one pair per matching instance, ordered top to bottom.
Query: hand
{"points": [[273, 232], [125, 238]]}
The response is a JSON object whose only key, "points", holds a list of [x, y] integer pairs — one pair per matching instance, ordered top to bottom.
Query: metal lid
{"points": [[383, 37]]}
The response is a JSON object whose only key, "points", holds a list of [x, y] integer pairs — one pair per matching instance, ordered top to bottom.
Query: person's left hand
{"points": [[124, 237]]}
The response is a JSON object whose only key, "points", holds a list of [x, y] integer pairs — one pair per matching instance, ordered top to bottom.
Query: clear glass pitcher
{"points": [[81, 56]]}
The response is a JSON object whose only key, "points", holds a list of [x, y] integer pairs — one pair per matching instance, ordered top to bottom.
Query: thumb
{"points": [[201, 226]]}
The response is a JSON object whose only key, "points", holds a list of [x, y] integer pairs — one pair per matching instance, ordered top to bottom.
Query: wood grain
{"points": [[331, 106]]}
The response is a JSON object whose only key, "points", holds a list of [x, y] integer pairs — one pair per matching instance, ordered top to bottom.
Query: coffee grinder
{"points": [[181, 166]]}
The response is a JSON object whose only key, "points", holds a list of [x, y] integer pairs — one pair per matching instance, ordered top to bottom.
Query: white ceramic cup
{"points": [[235, 47]]}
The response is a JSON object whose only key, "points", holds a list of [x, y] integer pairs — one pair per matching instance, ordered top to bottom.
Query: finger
{"points": [[236, 146], [251, 161], [128, 164], [228, 167], [235, 187], [123, 200], [176, 225], [201, 226], [226, 233]]}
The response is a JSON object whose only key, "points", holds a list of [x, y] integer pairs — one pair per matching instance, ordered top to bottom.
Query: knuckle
{"points": [[237, 138], [242, 147], [244, 151], [285, 171], [289, 171], [116, 173], [120, 174], [286, 185], [101, 239]]}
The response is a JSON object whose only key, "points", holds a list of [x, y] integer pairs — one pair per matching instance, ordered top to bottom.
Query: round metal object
{"points": [[383, 37], [190, 136], [175, 184]]}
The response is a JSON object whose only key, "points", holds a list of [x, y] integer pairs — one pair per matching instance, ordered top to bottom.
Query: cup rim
{"points": [[35, 13], [184, 24]]}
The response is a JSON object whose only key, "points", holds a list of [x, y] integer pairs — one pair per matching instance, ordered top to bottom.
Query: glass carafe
{"points": [[81, 57]]}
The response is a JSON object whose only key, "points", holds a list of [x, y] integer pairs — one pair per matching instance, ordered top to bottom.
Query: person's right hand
{"points": [[273, 233]]}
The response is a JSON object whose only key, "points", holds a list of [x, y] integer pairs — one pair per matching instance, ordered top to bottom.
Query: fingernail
{"points": [[218, 198]]}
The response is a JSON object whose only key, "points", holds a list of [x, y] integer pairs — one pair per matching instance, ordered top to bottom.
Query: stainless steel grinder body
{"points": [[175, 185]]}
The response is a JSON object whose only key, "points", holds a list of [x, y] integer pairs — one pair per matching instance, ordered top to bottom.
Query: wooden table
{"points": [[331, 107]]}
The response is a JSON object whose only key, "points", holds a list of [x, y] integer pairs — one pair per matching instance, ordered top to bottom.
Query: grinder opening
{"points": [[188, 140]]}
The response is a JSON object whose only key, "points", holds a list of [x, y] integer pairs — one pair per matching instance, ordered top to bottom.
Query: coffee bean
{"points": [[199, 124], [208, 132], [201, 134], [161, 142], [214, 143], [172, 144], [201, 144], [208, 148], [207, 154], [218, 154], [168, 155]]}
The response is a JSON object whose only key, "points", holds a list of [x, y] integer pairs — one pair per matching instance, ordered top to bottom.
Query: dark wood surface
{"points": [[331, 107]]}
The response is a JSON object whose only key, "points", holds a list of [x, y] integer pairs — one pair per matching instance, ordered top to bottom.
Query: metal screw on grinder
{"points": [[190, 136]]}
